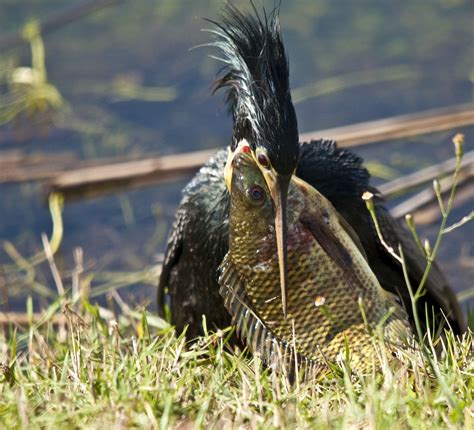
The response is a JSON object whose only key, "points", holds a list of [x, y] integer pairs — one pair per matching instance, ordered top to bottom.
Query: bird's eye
{"points": [[263, 160], [256, 193]]}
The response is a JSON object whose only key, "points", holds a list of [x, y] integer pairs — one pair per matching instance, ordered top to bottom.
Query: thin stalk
{"points": [[459, 143], [426, 352]]}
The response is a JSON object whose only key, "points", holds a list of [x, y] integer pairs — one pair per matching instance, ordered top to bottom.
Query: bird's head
{"points": [[256, 77]]}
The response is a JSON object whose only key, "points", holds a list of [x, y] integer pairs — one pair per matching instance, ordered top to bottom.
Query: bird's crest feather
{"points": [[256, 77]]}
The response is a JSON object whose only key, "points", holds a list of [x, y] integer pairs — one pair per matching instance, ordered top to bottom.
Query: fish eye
{"points": [[263, 160], [256, 193]]}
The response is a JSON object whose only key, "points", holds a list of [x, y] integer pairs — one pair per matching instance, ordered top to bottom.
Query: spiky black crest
{"points": [[256, 78]]}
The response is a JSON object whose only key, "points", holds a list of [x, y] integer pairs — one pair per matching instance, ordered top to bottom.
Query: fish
{"points": [[336, 307]]}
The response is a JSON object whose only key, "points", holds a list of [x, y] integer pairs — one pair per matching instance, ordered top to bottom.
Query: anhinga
{"points": [[256, 78], [264, 116]]}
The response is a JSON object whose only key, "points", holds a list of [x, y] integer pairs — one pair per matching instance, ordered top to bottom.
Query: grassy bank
{"points": [[78, 365], [86, 368]]}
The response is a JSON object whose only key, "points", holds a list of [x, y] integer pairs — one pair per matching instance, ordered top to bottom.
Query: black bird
{"points": [[256, 78], [259, 99]]}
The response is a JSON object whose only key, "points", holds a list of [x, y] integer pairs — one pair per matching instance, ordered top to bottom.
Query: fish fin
{"points": [[316, 220], [332, 246], [248, 324], [250, 327], [397, 330]]}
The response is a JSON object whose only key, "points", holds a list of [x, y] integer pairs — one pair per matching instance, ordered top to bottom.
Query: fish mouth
{"points": [[242, 159], [235, 166]]}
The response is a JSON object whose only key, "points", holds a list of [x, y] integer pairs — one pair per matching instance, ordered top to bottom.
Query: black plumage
{"points": [[256, 79]]}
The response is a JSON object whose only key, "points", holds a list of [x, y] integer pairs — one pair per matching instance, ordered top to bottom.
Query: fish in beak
{"points": [[278, 185]]}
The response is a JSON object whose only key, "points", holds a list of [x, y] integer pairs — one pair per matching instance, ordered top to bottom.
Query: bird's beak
{"points": [[278, 186]]}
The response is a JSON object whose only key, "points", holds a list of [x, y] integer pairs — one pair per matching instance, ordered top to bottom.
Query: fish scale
{"points": [[334, 299], [339, 305]]}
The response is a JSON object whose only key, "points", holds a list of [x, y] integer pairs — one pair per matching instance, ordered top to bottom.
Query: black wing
{"points": [[197, 245]]}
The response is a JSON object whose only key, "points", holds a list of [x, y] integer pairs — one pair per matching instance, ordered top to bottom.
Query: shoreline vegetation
{"points": [[83, 354], [81, 365]]}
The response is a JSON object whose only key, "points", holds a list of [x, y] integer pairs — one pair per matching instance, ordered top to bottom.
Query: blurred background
{"points": [[120, 79]]}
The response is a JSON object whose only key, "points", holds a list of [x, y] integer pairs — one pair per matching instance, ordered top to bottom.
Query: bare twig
{"points": [[397, 127], [135, 173], [420, 177], [103, 179], [425, 197], [368, 198], [429, 212], [460, 223], [52, 264], [77, 287], [4, 289]]}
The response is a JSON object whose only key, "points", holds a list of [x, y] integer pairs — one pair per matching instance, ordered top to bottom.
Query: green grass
{"points": [[81, 366], [81, 369]]}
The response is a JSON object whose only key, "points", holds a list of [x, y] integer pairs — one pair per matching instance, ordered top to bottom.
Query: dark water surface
{"points": [[132, 86]]}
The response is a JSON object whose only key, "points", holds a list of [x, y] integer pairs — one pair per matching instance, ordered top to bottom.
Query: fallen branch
{"points": [[397, 127], [16, 166], [101, 176], [421, 177], [106, 178], [94, 181], [426, 197], [429, 212]]}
